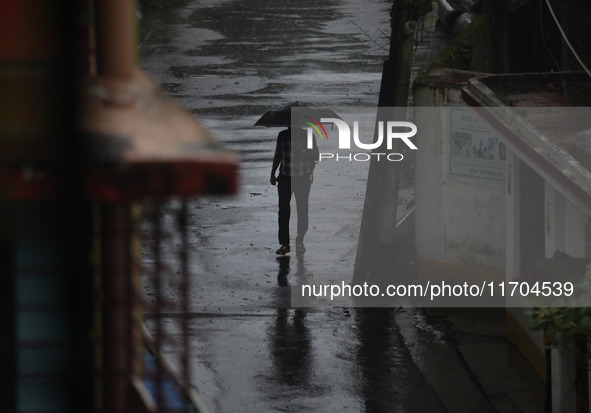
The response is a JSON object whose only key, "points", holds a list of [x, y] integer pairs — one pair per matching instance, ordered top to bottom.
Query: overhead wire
{"points": [[546, 37], [567, 41], [550, 53]]}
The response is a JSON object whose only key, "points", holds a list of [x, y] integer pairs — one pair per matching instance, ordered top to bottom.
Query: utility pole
{"points": [[500, 9], [375, 249]]}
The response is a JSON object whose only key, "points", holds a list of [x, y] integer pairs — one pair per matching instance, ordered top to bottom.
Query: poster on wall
{"points": [[475, 150]]}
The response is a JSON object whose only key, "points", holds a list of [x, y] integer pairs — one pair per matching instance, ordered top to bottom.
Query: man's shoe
{"points": [[300, 248], [283, 250]]}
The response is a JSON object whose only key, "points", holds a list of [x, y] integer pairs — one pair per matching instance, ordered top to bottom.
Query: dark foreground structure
{"points": [[86, 140]]}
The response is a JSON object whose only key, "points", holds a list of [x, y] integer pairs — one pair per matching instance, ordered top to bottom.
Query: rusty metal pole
{"points": [[115, 38], [115, 53], [115, 247], [135, 292], [186, 296], [159, 304]]}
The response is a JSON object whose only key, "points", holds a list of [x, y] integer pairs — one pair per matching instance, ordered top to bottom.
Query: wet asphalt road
{"points": [[228, 62]]}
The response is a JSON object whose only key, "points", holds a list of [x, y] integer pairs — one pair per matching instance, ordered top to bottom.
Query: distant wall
{"points": [[460, 218], [565, 225]]}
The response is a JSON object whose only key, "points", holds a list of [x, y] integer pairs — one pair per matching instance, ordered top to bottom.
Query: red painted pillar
{"points": [[115, 38]]}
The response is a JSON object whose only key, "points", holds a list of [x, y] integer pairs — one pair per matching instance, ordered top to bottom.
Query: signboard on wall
{"points": [[475, 149]]}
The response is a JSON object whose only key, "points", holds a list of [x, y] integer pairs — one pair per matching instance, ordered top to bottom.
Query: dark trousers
{"points": [[300, 186]]}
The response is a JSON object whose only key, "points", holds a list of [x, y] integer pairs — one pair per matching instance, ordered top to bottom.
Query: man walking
{"points": [[296, 163]]}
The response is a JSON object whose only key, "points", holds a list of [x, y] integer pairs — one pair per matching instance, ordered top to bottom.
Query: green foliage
{"points": [[473, 49], [563, 323]]}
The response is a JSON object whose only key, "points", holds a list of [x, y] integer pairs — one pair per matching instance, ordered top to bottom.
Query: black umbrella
{"points": [[282, 117]]}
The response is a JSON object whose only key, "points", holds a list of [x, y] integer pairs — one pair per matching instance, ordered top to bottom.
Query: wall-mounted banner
{"points": [[475, 149]]}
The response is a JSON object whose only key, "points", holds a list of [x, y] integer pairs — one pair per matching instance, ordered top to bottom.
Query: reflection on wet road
{"points": [[228, 62], [379, 366]]}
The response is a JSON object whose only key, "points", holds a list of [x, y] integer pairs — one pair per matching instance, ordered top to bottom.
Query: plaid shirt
{"points": [[298, 163]]}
